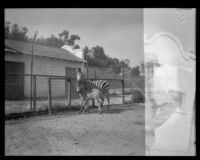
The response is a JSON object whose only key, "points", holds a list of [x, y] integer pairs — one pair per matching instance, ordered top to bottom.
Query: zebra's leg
{"points": [[108, 99], [99, 100], [102, 100], [81, 104], [87, 106]]}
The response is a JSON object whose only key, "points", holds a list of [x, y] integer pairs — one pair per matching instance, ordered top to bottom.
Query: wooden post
{"points": [[87, 65], [87, 70], [31, 80], [123, 83], [66, 88], [122, 91], [69, 92], [34, 93], [49, 96], [93, 103]]}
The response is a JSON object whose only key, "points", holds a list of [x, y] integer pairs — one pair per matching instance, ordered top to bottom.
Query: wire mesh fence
{"points": [[60, 90]]}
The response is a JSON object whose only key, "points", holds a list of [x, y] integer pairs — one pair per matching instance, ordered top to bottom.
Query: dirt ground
{"points": [[24, 106], [119, 131]]}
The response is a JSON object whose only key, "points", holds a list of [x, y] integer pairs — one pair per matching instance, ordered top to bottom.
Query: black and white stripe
{"points": [[102, 85], [87, 87], [86, 96]]}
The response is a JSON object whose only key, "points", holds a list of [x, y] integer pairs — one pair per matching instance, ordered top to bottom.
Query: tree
{"points": [[7, 29], [24, 31], [15, 32], [18, 34], [35, 36], [64, 36], [64, 39], [72, 39], [41, 41], [53, 41], [76, 46], [85, 52], [99, 53], [99, 58], [127, 62], [142, 67], [135, 71]]}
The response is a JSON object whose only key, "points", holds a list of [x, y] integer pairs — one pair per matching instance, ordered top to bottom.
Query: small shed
{"points": [[46, 61]]}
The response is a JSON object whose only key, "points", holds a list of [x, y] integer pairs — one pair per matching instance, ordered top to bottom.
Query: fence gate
{"points": [[14, 84]]}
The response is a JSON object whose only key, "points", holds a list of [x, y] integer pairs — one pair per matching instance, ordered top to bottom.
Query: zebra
{"points": [[88, 86], [86, 96]]}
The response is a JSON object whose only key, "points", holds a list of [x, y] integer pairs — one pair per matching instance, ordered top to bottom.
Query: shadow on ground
{"points": [[70, 111]]}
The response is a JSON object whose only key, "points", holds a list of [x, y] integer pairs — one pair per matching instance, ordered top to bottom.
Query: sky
{"points": [[179, 22], [118, 31]]}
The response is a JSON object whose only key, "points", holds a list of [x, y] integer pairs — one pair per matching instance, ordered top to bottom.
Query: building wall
{"points": [[46, 66]]}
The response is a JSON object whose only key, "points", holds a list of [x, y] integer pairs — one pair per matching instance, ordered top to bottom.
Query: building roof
{"points": [[40, 50]]}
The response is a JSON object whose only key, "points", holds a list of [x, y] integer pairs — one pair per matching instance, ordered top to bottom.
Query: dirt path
{"points": [[119, 131]]}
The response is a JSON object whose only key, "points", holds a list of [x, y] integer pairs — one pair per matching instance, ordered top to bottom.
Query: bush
{"points": [[128, 92], [137, 97]]}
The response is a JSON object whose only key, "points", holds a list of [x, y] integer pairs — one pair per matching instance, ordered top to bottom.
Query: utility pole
{"points": [[86, 58], [87, 64], [31, 79], [123, 82]]}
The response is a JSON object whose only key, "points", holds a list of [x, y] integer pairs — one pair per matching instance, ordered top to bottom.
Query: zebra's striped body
{"points": [[102, 85], [97, 89], [86, 96]]}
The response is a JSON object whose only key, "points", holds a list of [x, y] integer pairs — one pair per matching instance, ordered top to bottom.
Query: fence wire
{"points": [[18, 95]]}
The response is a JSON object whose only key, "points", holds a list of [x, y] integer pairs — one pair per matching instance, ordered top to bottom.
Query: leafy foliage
{"points": [[16, 33], [20, 34], [96, 58], [100, 59], [138, 97]]}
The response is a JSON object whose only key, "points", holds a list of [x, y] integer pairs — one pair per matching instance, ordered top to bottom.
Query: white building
{"points": [[46, 61]]}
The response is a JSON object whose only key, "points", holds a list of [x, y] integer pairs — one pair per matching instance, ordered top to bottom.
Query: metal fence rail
{"points": [[44, 88]]}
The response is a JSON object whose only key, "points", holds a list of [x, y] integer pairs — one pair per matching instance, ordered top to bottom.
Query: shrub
{"points": [[128, 92], [137, 97]]}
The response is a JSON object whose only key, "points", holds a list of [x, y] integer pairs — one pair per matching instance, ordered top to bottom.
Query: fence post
{"points": [[123, 82], [122, 91], [69, 92], [34, 93], [31, 96], [49, 96], [93, 103]]}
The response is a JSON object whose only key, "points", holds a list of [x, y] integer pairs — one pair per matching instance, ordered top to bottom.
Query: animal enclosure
{"points": [[47, 93]]}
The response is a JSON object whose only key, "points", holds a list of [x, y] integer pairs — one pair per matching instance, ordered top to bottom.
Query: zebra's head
{"points": [[80, 75], [80, 80], [80, 86]]}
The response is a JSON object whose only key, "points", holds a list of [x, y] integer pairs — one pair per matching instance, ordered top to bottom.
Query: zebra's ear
{"points": [[78, 74]]}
